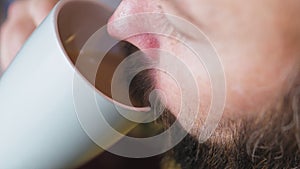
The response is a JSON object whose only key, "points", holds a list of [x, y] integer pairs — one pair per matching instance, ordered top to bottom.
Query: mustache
{"points": [[143, 83], [271, 140]]}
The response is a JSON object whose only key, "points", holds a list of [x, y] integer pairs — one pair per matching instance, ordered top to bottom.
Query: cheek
{"points": [[259, 73], [253, 83], [256, 84]]}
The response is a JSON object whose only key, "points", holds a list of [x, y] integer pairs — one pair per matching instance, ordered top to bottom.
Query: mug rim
{"points": [[58, 8]]}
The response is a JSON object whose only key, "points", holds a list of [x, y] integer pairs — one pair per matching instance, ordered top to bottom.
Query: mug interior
{"points": [[77, 21]]}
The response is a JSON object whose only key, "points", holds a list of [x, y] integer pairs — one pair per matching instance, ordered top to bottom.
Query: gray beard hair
{"points": [[270, 141]]}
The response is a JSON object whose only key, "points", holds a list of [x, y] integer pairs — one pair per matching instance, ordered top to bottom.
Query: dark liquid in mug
{"points": [[76, 25], [106, 68]]}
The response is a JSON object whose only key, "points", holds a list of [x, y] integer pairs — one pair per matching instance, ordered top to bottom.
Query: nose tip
{"points": [[129, 7], [125, 9], [122, 10]]}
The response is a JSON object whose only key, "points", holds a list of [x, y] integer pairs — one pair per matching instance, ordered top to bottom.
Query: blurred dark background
{"points": [[3, 7]]}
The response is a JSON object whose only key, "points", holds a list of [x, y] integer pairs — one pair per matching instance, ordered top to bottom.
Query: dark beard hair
{"points": [[269, 141]]}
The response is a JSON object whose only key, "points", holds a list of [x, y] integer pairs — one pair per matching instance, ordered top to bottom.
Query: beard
{"points": [[271, 140]]}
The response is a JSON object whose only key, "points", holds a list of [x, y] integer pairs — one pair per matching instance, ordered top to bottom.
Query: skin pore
{"points": [[258, 45]]}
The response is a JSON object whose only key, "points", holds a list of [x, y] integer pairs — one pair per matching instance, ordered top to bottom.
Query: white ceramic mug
{"points": [[39, 128]]}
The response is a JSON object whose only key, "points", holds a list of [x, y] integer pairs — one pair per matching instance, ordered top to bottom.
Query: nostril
{"points": [[129, 48]]}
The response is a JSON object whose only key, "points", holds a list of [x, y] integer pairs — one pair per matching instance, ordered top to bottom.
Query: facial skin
{"points": [[258, 45]]}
